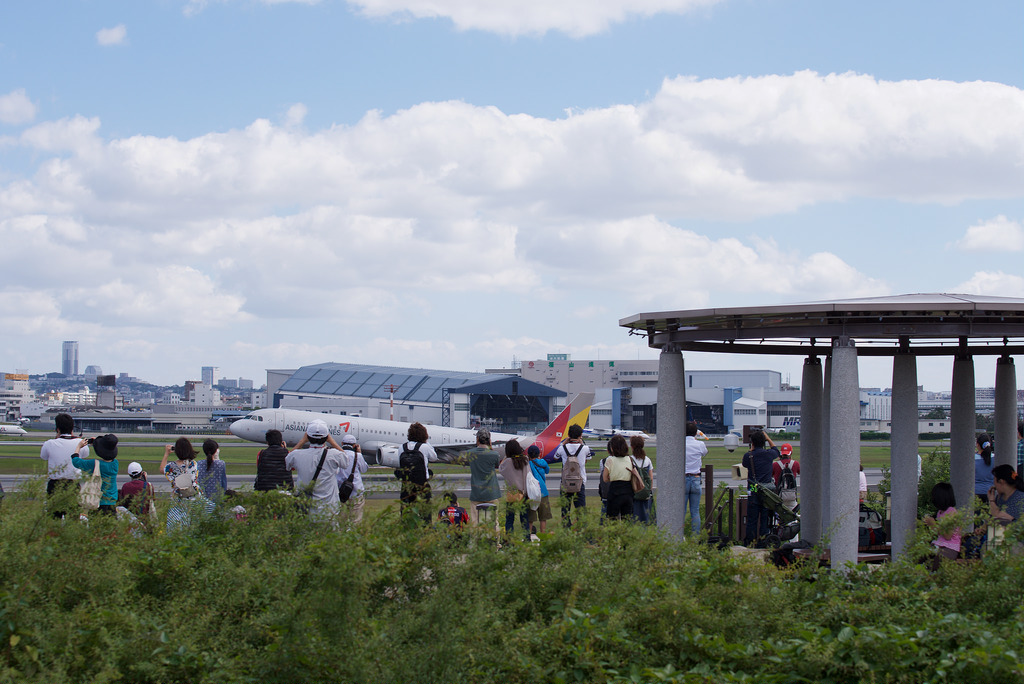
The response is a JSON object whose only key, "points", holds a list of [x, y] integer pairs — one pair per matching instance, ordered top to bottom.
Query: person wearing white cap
{"points": [[316, 460], [137, 494], [356, 499]]}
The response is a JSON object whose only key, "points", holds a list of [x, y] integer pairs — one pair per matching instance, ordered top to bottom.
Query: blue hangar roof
{"points": [[411, 384]]}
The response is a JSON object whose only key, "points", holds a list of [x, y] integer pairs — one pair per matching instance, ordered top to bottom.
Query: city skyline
{"points": [[281, 183]]}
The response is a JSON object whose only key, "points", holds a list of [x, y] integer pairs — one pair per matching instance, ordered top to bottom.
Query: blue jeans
{"points": [[693, 501], [522, 510], [642, 510]]}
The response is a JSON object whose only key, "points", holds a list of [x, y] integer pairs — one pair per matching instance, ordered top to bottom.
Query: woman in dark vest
{"points": [[271, 472]]}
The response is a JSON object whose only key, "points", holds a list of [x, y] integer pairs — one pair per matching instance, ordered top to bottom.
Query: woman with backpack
{"points": [[643, 465], [414, 468], [513, 469], [618, 473], [187, 498]]}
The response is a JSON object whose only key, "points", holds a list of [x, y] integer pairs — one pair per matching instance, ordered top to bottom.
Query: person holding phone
{"points": [[758, 462]]}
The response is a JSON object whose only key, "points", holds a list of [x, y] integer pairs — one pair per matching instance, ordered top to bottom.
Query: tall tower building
{"points": [[69, 358], [211, 375]]}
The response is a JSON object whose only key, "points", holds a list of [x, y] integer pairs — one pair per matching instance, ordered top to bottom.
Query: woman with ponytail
{"points": [[983, 467], [213, 477], [1006, 498]]}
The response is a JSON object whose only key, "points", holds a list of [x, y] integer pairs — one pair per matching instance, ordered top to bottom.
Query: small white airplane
{"points": [[6, 429], [602, 432], [381, 440]]}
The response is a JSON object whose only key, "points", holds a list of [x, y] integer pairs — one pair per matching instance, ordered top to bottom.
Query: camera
{"points": [[90, 440], [172, 448]]}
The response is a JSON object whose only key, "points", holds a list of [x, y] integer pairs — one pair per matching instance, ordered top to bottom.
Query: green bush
{"points": [[275, 598]]}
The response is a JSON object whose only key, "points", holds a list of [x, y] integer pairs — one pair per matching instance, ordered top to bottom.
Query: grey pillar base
{"points": [[811, 407], [1006, 413], [962, 422], [671, 442], [904, 450], [844, 454]]}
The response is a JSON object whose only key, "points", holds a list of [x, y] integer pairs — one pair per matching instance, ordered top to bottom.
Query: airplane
{"points": [[12, 430], [603, 432], [381, 440]]}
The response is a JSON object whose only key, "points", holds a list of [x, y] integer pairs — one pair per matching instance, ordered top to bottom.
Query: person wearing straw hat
{"points": [[105, 447]]}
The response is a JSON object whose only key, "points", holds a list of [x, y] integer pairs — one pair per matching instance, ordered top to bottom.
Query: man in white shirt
{"points": [[315, 445], [575, 450], [696, 450], [62, 475]]}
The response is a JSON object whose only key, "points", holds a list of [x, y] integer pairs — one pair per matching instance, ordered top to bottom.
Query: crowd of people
{"points": [[329, 477], [325, 479], [999, 490]]}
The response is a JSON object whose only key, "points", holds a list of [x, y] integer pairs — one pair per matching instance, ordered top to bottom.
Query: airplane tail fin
{"points": [[576, 413]]}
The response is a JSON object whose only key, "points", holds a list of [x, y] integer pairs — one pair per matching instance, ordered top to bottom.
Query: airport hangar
{"points": [[505, 403]]}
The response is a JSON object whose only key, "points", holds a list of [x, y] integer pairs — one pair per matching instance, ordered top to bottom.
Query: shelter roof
{"points": [[924, 324]]}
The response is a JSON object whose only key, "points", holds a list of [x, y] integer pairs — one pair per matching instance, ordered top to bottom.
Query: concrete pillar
{"points": [[811, 404], [1006, 413], [962, 425], [671, 442], [826, 447], [904, 450], [844, 454]]}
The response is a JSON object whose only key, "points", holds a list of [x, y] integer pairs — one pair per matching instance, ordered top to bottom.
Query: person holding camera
{"points": [[106, 448], [317, 459], [758, 462], [271, 471], [62, 477], [186, 497], [356, 499]]}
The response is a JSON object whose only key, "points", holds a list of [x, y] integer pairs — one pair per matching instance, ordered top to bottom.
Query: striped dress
{"points": [[185, 509]]}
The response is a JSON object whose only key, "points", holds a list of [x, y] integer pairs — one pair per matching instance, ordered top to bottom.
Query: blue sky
{"points": [[444, 184]]}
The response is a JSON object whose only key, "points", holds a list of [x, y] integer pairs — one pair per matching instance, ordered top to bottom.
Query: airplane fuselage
{"points": [[12, 430], [380, 440]]}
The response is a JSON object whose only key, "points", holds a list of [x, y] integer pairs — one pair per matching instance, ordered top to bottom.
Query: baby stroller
{"points": [[783, 524]]}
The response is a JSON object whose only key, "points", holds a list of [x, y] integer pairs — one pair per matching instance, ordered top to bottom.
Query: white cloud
{"points": [[577, 18], [115, 35], [16, 107], [295, 115], [718, 149], [453, 217], [999, 234], [993, 283], [152, 296]]}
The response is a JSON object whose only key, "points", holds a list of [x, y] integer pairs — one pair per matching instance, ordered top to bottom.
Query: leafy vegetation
{"points": [[274, 598]]}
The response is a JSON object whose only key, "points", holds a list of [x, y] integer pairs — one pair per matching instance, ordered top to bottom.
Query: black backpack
{"points": [[410, 465], [787, 481]]}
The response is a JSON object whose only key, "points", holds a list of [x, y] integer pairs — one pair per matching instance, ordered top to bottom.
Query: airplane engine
{"points": [[388, 455]]}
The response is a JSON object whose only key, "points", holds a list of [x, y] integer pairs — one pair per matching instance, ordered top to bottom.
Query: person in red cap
{"points": [[784, 471]]}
